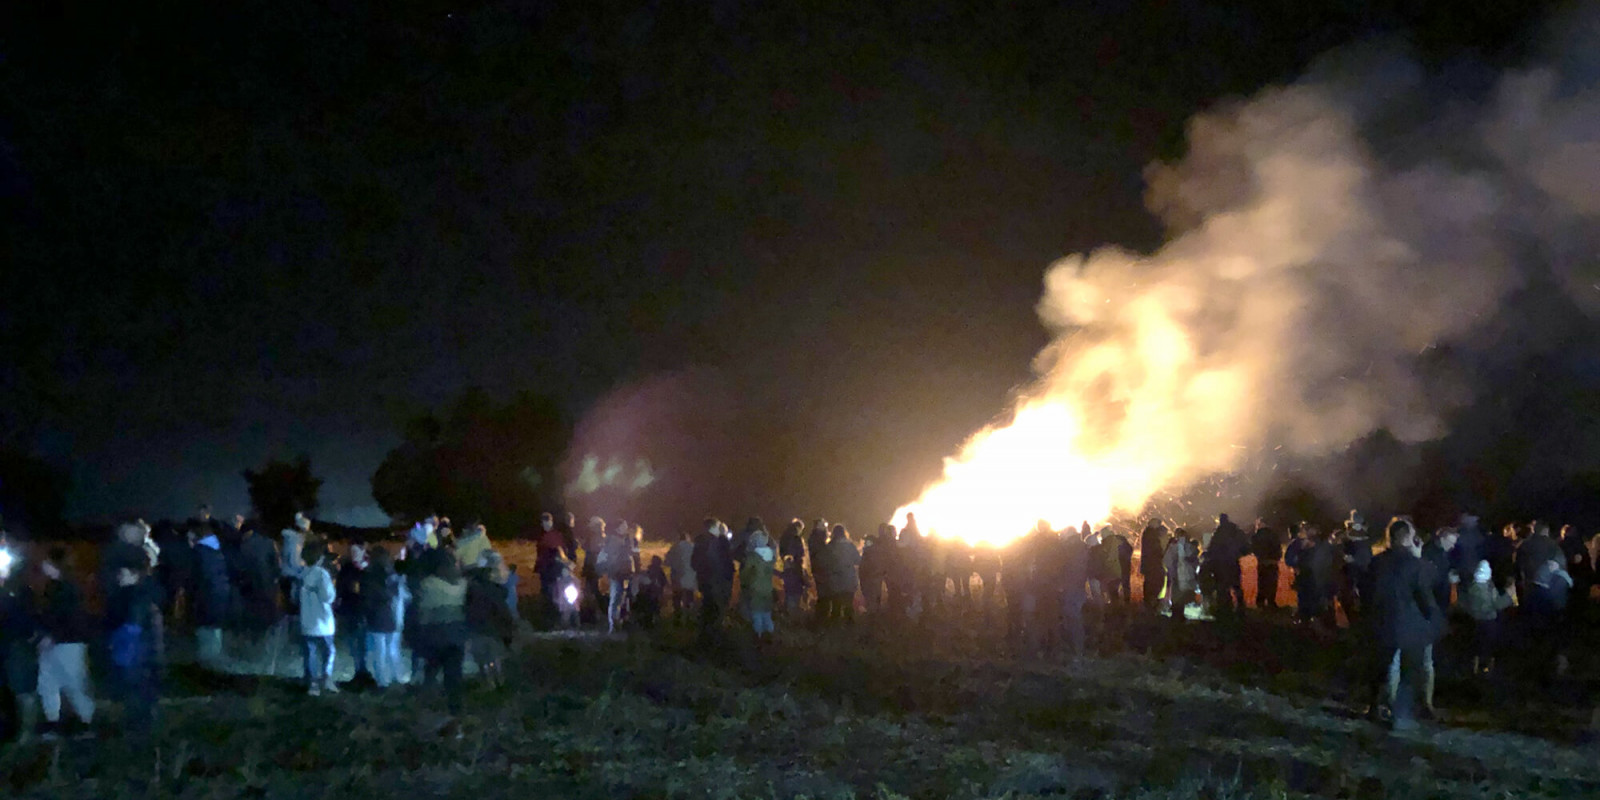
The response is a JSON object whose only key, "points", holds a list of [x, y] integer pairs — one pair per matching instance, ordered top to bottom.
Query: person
{"points": [[567, 526], [741, 540], [593, 543], [1471, 547], [472, 548], [125, 550], [817, 550], [1268, 550], [1501, 551], [1152, 557], [1436, 557], [958, 558], [1221, 558], [1296, 558], [547, 561], [680, 563], [986, 563], [617, 564], [1322, 564], [1355, 564], [1580, 565], [1102, 566], [1182, 566], [290, 567], [713, 567], [872, 571], [175, 572], [1074, 577], [843, 579], [755, 584], [1123, 585], [257, 586], [1548, 588], [649, 593], [568, 595], [212, 599], [382, 602], [1484, 603], [351, 618], [1405, 623], [490, 625], [133, 626], [317, 627], [441, 634], [63, 645], [19, 658]]}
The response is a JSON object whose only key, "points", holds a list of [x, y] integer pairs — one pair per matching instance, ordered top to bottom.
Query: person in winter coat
{"points": [[1228, 544], [593, 545], [473, 547], [1471, 547], [817, 548], [125, 550], [1268, 550], [1501, 551], [1152, 555], [1436, 557], [1296, 558], [547, 560], [291, 561], [1322, 561], [986, 563], [617, 564], [680, 564], [792, 564], [1182, 565], [1355, 565], [1580, 566], [713, 567], [175, 572], [872, 572], [1074, 577], [843, 579], [755, 583], [258, 585], [1123, 585], [1549, 588], [649, 593], [382, 602], [1484, 603], [211, 606], [351, 620], [1406, 623], [490, 624], [317, 626], [133, 627], [441, 636], [63, 645], [19, 657]]}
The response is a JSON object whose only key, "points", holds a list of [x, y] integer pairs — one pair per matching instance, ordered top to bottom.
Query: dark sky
{"points": [[233, 230]]}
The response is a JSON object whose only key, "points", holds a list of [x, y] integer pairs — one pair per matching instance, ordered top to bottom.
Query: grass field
{"points": [[872, 711]]}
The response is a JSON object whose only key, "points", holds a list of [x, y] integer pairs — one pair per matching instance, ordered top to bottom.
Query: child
{"points": [[650, 590], [567, 596], [1483, 601], [316, 620]]}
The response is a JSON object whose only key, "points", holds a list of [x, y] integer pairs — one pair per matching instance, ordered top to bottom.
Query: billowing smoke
{"points": [[1336, 246]]}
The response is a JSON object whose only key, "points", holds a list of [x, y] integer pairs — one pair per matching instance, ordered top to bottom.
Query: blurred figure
{"points": [[593, 543], [1575, 546], [472, 547], [817, 549], [1268, 550], [792, 558], [1436, 558], [1221, 559], [1152, 561], [680, 562], [547, 563], [986, 563], [617, 564], [1182, 565], [1355, 565], [713, 567], [872, 570], [1074, 577], [843, 579], [755, 584], [257, 588], [1549, 588], [569, 594], [649, 594], [212, 600], [382, 600], [1484, 603], [351, 619], [1406, 623], [490, 625], [317, 627], [134, 633], [441, 635], [63, 645], [19, 658]]}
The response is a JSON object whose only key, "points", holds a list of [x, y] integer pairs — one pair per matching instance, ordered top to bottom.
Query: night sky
{"points": [[817, 231]]}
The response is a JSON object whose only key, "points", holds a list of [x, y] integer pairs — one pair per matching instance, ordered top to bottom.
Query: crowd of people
{"points": [[249, 597]]}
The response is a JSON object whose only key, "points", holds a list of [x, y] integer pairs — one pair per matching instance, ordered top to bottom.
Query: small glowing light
{"points": [[6, 560], [571, 594]]}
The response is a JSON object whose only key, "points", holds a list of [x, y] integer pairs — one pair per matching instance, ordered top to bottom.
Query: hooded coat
{"points": [[843, 559], [680, 560], [1182, 562], [211, 570], [755, 575], [316, 602]]}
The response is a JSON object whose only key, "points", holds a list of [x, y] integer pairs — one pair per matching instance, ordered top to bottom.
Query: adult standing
{"points": [[1228, 545], [1268, 550], [792, 561], [680, 563], [1182, 565], [1356, 565], [1580, 565], [1152, 566], [713, 567], [1074, 576], [843, 579], [258, 587], [212, 599], [382, 608], [350, 617], [1406, 622], [317, 625], [441, 634], [63, 645], [19, 658]]}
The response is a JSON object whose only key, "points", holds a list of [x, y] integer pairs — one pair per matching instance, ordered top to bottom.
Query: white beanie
{"points": [[1482, 573]]}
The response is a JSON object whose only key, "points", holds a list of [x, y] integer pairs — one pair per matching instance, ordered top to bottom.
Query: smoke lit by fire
{"points": [[1327, 237]]}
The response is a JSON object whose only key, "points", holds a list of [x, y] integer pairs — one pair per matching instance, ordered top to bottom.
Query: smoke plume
{"points": [[1339, 250]]}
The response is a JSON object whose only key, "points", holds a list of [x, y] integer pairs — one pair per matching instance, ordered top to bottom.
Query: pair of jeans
{"points": [[1266, 584], [761, 621], [353, 630], [383, 650], [319, 659], [445, 660], [64, 671]]}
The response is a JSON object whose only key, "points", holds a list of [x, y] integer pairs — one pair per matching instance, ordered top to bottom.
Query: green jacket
{"points": [[755, 580]]}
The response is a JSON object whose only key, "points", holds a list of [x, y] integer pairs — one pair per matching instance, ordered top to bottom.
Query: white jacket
{"points": [[316, 602]]}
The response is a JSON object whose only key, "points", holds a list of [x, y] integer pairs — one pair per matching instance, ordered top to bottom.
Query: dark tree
{"points": [[482, 459], [281, 488], [33, 494], [1297, 500]]}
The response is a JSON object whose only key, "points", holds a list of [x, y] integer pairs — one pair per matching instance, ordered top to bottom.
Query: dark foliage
{"points": [[281, 488]]}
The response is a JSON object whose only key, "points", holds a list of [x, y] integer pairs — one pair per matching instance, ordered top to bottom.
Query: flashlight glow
{"points": [[6, 560], [571, 594]]}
